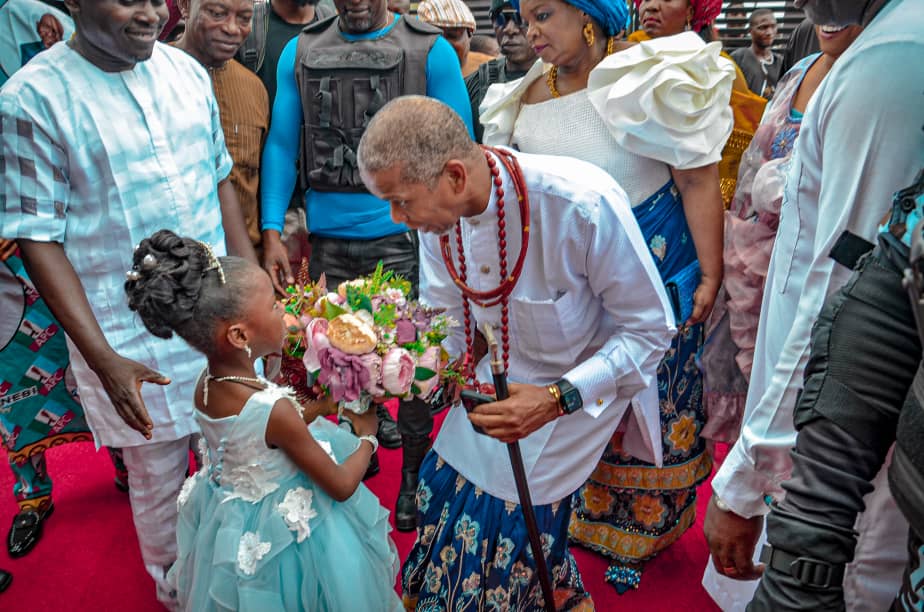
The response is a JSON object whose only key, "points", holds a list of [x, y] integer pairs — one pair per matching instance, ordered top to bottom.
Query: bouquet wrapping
{"points": [[366, 341]]}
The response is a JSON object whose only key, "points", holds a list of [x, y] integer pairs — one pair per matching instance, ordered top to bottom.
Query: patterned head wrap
{"points": [[704, 12], [446, 14], [611, 15]]}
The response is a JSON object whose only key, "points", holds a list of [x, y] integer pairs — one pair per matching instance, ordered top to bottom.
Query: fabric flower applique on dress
{"points": [[204, 458], [250, 482], [186, 490], [296, 511], [250, 551]]}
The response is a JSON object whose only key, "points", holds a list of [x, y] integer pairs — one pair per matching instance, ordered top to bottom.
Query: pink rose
{"points": [[405, 332], [315, 341], [430, 360], [373, 363], [397, 371], [344, 374]]}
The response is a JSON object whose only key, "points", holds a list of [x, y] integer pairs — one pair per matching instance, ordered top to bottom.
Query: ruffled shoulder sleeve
{"points": [[667, 99], [501, 105]]}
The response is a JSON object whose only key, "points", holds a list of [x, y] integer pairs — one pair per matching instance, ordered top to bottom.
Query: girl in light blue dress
{"points": [[277, 518]]}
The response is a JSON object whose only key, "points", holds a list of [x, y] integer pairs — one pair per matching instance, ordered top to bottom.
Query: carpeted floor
{"points": [[88, 558]]}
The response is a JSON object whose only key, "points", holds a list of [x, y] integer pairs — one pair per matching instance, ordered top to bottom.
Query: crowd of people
{"points": [[674, 246]]}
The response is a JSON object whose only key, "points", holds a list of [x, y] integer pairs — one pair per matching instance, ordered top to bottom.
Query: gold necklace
{"points": [[551, 78], [550, 81]]}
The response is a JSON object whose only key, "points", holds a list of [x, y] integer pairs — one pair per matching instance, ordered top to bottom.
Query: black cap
{"points": [[497, 5]]}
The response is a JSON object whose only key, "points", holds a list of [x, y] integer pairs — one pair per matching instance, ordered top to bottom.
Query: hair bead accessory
{"points": [[148, 262], [214, 264], [133, 275]]}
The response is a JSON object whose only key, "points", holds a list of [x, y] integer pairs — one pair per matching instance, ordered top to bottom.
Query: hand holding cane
{"points": [[519, 475]]}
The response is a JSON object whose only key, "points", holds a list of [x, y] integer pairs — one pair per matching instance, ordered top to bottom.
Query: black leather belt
{"points": [[812, 573]]}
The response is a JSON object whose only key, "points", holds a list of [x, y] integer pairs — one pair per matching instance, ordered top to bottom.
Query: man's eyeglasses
{"points": [[502, 17]]}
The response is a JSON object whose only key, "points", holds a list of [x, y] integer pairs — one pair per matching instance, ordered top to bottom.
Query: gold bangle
{"points": [[555, 392]]}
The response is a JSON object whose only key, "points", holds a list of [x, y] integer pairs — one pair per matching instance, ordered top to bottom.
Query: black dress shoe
{"points": [[388, 433], [26, 531], [6, 579]]}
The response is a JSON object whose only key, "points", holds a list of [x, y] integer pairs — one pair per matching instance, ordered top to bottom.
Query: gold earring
{"points": [[589, 34]]}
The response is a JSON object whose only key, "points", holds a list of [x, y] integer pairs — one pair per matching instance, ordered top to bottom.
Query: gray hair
{"points": [[417, 133]]}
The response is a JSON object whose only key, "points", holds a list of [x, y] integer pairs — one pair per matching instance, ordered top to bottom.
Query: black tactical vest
{"points": [[343, 84]]}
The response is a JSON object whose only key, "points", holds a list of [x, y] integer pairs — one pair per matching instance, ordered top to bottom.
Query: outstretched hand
{"points": [[122, 379], [527, 409]]}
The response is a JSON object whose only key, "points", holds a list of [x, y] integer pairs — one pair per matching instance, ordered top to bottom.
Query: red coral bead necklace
{"points": [[501, 293]]}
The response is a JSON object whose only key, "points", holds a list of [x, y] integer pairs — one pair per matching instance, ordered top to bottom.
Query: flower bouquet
{"points": [[365, 341]]}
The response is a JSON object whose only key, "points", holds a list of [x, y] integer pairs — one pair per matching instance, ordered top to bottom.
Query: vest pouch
{"points": [[342, 88]]}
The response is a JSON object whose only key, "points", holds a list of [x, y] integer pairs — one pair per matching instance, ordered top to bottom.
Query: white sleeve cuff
{"points": [[594, 379], [740, 485]]}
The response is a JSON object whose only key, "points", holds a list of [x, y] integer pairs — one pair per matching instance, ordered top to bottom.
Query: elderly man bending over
{"points": [[583, 323]]}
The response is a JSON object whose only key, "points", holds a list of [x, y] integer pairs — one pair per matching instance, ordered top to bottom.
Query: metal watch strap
{"points": [[812, 573]]}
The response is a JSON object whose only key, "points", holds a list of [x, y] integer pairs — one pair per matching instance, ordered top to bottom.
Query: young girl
{"points": [[276, 519]]}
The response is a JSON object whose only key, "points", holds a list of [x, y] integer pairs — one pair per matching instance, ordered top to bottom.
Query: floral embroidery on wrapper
{"points": [[658, 246]]}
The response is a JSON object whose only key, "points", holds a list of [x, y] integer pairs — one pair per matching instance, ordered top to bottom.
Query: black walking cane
{"points": [[519, 475]]}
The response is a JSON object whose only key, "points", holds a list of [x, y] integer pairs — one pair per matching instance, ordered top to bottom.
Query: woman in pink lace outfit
{"points": [[750, 230]]}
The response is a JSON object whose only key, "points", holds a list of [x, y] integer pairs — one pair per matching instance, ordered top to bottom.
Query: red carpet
{"points": [[88, 558]]}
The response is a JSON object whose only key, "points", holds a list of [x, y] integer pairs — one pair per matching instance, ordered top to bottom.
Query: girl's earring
{"points": [[687, 27], [248, 351]]}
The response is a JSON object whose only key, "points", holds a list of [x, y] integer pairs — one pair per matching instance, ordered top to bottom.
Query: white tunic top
{"points": [[857, 146], [98, 161], [589, 306]]}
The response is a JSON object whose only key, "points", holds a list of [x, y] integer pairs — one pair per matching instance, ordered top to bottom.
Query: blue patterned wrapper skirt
{"points": [[629, 510], [472, 551]]}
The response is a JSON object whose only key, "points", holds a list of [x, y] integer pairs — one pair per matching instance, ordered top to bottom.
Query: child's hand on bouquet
{"points": [[323, 406], [365, 424]]}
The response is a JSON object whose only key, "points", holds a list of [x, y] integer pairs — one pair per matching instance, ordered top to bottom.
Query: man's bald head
{"points": [[417, 134]]}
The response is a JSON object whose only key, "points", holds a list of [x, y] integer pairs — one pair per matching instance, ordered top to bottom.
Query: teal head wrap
{"points": [[611, 15]]}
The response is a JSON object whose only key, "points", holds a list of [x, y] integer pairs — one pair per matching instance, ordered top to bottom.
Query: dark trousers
{"points": [[342, 260], [865, 352]]}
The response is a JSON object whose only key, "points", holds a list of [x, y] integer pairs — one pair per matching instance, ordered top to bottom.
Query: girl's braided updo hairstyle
{"points": [[176, 286]]}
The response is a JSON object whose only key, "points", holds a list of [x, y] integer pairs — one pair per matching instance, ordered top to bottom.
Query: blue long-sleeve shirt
{"points": [[333, 214]]}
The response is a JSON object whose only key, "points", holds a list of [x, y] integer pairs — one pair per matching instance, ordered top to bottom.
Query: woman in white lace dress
{"points": [[655, 116], [277, 518]]}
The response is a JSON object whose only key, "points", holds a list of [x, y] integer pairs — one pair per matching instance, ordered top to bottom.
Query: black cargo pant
{"points": [[865, 353]]}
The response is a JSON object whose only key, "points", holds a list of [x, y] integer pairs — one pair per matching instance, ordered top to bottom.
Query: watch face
{"points": [[570, 397]]}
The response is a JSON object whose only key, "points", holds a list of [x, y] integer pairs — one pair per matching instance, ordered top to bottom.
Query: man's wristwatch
{"points": [[569, 398]]}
